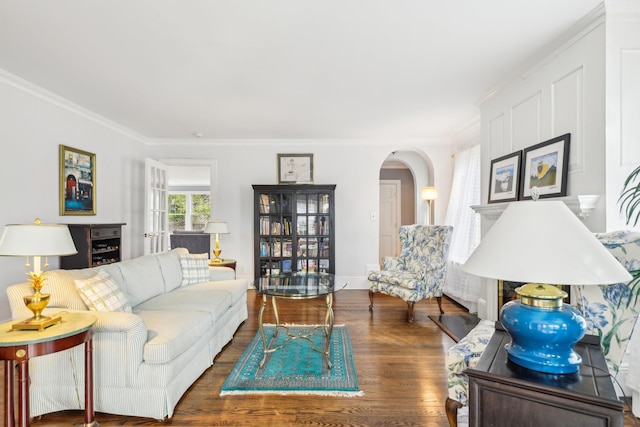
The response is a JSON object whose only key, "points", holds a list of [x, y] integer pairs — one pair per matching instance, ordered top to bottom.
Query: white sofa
{"points": [[144, 360]]}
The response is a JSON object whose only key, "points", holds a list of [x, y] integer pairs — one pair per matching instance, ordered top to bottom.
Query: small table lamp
{"points": [[429, 194], [216, 228], [36, 240], [542, 243]]}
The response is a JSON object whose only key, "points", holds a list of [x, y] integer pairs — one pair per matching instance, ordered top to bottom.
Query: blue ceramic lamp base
{"points": [[542, 339]]}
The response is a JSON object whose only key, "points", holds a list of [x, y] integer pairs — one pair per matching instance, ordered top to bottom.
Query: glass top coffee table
{"points": [[298, 286]]}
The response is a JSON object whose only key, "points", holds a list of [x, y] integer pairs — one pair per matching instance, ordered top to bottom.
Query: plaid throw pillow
{"points": [[195, 268], [101, 293]]}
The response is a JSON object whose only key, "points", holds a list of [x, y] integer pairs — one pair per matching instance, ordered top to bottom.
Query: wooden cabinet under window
{"points": [[294, 229], [97, 244]]}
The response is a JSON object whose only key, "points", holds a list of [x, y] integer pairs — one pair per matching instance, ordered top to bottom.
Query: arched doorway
{"points": [[402, 176]]}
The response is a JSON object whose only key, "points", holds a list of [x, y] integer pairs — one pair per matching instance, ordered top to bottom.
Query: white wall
{"points": [[564, 93], [622, 102], [36, 122], [33, 126], [354, 167]]}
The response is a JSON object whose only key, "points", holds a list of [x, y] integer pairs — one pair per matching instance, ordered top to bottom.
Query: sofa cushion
{"points": [[171, 268], [195, 268], [142, 277], [62, 288], [236, 289], [101, 293], [211, 301], [170, 332]]}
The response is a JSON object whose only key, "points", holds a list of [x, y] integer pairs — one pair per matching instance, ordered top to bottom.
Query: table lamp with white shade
{"points": [[217, 228], [36, 241], [542, 243]]}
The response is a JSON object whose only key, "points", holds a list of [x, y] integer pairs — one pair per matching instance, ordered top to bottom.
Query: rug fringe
{"points": [[298, 392]]}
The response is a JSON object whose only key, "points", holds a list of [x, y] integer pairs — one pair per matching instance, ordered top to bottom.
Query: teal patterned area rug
{"points": [[296, 368]]}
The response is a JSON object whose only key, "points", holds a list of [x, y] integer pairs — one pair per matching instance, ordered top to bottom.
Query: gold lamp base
{"points": [[216, 255], [36, 303], [34, 324]]}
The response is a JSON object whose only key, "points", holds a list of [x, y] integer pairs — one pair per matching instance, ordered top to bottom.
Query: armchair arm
{"points": [[392, 263]]}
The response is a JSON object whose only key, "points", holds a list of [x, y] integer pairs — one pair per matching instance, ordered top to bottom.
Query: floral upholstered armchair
{"points": [[419, 271], [611, 311]]}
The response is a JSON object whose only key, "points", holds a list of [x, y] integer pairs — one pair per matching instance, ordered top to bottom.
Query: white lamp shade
{"points": [[429, 193], [216, 228], [36, 240], [544, 242]]}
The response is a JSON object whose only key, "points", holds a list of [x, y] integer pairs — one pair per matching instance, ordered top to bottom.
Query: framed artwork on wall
{"points": [[546, 166], [295, 168], [504, 180], [77, 182]]}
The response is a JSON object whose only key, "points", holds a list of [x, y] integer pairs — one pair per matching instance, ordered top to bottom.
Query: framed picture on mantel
{"points": [[546, 166], [504, 178]]}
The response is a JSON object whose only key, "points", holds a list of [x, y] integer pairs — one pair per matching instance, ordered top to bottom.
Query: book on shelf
{"points": [[264, 203], [264, 225], [276, 228], [276, 248], [287, 248]]}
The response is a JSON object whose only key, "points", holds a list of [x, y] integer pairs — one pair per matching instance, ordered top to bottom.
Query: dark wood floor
{"points": [[400, 368]]}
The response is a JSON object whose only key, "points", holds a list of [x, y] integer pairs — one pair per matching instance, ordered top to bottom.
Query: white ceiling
{"points": [[279, 68]]}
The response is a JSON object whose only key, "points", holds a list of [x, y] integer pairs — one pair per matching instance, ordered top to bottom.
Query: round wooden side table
{"points": [[231, 263], [22, 345]]}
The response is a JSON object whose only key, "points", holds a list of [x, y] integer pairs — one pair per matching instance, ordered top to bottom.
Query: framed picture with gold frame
{"points": [[77, 182]]}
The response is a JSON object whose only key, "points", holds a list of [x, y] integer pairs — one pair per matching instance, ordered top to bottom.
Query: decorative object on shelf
{"points": [[546, 166], [295, 168], [504, 181], [77, 182], [429, 194], [630, 198], [216, 228], [36, 240], [542, 243]]}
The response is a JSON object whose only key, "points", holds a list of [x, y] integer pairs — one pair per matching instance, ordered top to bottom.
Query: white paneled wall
{"points": [[561, 93], [622, 103]]}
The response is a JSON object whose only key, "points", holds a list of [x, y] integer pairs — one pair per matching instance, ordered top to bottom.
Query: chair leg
{"points": [[439, 299], [371, 300], [410, 305], [451, 408]]}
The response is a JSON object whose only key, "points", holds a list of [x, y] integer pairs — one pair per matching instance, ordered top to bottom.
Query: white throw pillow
{"points": [[195, 268], [101, 293]]}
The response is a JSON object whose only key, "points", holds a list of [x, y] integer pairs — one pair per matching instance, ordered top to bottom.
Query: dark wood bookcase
{"points": [[294, 229], [97, 244]]}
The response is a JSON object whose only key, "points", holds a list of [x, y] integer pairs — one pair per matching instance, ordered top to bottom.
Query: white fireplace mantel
{"points": [[580, 205]]}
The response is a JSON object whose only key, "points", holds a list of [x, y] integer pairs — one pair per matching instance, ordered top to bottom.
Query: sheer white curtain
{"points": [[465, 192]]}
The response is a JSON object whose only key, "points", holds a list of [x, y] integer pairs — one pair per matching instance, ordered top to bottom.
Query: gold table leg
{"points": [[328, 326], [261, 328]]}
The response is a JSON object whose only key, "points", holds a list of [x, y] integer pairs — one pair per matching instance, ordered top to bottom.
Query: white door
{"points": [[389, 217], [156, 218]]}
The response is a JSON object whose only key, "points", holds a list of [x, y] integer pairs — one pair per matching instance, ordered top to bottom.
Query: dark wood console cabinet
{"points": [[97, 244], [502, 393]]}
